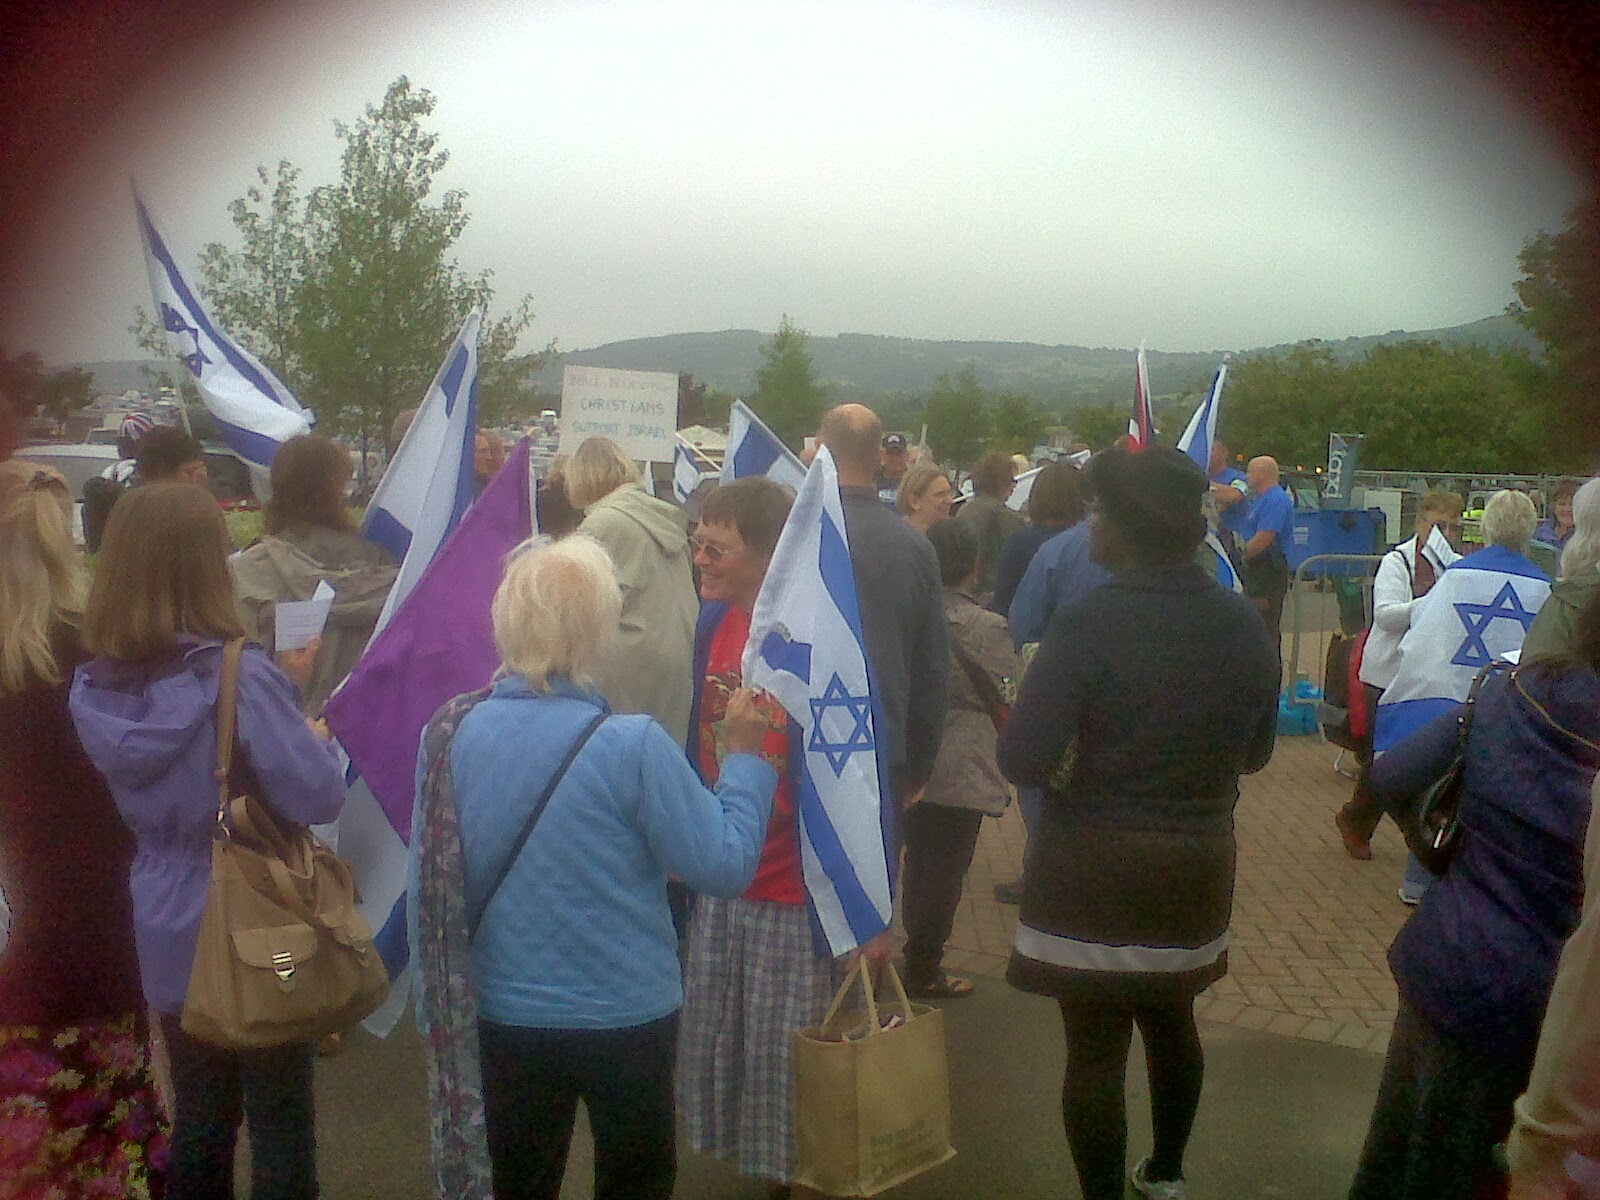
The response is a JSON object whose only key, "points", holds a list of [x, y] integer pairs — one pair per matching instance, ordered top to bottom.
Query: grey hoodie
{"points": [[151, 731]]}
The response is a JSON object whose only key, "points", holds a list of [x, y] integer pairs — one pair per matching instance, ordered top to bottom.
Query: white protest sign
{"points": [[636, 409]]}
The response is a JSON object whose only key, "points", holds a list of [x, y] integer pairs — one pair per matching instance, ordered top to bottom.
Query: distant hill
{"points": [[860, 365], [864, 366]]}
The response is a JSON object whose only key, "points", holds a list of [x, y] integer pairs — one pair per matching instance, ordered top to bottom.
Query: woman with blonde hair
{"points": [[925, 496], [159, 613], [651, 668], [544, 833], [78, 1102]]}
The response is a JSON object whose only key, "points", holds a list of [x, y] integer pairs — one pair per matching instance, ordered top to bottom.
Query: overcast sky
{"points": [[1197, 175]]}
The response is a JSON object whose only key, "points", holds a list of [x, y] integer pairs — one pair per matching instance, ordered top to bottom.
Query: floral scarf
{"points": [[447, 1008]]}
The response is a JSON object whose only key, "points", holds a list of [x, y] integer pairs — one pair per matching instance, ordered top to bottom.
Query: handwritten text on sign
{"points": [[636, 409]]}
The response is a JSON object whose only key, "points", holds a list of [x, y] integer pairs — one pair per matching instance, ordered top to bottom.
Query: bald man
{"points": [[1267, 530], [902, 610]]}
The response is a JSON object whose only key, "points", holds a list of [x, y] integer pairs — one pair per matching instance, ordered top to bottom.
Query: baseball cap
{"points": [[894, 441]]}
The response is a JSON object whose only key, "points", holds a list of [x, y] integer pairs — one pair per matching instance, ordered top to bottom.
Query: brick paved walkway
{"points": [[1311, 926]]}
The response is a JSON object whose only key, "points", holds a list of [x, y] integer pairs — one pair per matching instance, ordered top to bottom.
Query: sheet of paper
{"points": [[299, 621]]}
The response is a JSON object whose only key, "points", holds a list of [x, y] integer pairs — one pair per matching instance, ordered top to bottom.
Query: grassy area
{"points": [[243, 527]]}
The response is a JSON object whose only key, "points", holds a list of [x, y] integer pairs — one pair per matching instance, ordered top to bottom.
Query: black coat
{"points": [[1159, 689]]}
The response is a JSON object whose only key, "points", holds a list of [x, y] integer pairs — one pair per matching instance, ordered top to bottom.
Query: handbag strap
{"points": [[988, 694], [227, 717], [475, 918]]}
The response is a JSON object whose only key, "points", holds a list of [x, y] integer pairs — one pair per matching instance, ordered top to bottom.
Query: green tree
{"points": [[255, 290], [349, 291], [1558, 299], [22, 378], [64, 392], [787, 396], [1421, 405], [957, 422], [1099, 424], [1015, 425]]}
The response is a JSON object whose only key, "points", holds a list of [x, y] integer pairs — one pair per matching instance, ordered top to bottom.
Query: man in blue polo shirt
{"points": [[1266, 532]]}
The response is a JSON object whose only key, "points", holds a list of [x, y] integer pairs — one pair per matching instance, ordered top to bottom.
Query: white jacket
{"points": [[1392, 604]]}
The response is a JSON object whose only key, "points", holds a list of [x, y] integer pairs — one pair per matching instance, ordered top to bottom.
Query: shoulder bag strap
{"points": [[988, 694], [227, 714], [475, 918]]}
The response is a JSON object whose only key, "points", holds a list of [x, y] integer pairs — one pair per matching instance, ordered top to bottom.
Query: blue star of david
{"points": [[172, 321], [1477, 618], [857, 709]]}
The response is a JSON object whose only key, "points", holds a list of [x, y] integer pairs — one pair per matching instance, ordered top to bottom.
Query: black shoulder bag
{"points": [[1433, 834], [475, 917]]}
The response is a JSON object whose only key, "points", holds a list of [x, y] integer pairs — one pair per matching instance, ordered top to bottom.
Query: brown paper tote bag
{"points": [[283, 955], [872, 1105]]}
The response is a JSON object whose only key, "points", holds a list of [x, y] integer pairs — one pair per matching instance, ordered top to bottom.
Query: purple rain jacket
{"points": [[151, 731]]}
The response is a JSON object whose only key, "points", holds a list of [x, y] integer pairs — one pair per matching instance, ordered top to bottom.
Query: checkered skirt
{"points": [[752, 979]]}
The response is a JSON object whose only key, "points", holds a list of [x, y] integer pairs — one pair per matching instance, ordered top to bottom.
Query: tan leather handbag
{"points": [[283, 954]]}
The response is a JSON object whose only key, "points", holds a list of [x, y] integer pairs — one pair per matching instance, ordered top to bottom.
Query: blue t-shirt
{"points": [[1272, 512], [1232, 519]]}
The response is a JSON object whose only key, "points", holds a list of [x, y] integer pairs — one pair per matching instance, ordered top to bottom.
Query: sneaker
{"points": [[1008, 893], [1408, 898], [1156, 1189]]}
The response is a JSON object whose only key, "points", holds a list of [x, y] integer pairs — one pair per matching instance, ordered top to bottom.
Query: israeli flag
{"points": [[254, 412], [1202, 429], [753, 449], [685, 473], [428, 485], [422, 497], [1221, 565], [1478, 611], [807, 649]]}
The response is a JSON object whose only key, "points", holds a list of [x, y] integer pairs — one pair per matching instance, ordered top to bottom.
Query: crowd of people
{"points": [[616, 778]]}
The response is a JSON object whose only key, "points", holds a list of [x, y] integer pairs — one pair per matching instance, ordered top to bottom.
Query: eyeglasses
{"points": [[713, 552]]}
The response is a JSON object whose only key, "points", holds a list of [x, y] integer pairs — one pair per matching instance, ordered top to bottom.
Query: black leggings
{"points": [[532, 1082], [1092, 1100]]}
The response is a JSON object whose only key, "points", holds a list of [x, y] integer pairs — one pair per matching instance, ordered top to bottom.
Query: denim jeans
{"points": [[1030, 802], [1418, 878], [213, 1089]]}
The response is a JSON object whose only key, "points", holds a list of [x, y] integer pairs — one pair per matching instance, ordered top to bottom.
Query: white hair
{"points": [[1509, 520], [1582, 552], [557, 610]]}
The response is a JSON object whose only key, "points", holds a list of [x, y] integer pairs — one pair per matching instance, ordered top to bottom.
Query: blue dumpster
{"points": [[1334, 531]]}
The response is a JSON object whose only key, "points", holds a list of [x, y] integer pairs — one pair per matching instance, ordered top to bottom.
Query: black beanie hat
{"points": [[1153, 495]]}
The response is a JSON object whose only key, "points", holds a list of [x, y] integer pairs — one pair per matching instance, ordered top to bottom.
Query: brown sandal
{"points": [[941, 987]]}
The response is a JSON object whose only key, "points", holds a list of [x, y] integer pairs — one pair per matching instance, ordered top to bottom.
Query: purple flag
{"points": [[439, 643]]}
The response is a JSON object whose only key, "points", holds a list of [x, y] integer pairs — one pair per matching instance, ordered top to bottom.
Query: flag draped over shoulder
{"points": [[255, 413], [1142, 423], [1202, 428], [753, 449], [1479, 610], [806, 648]]}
